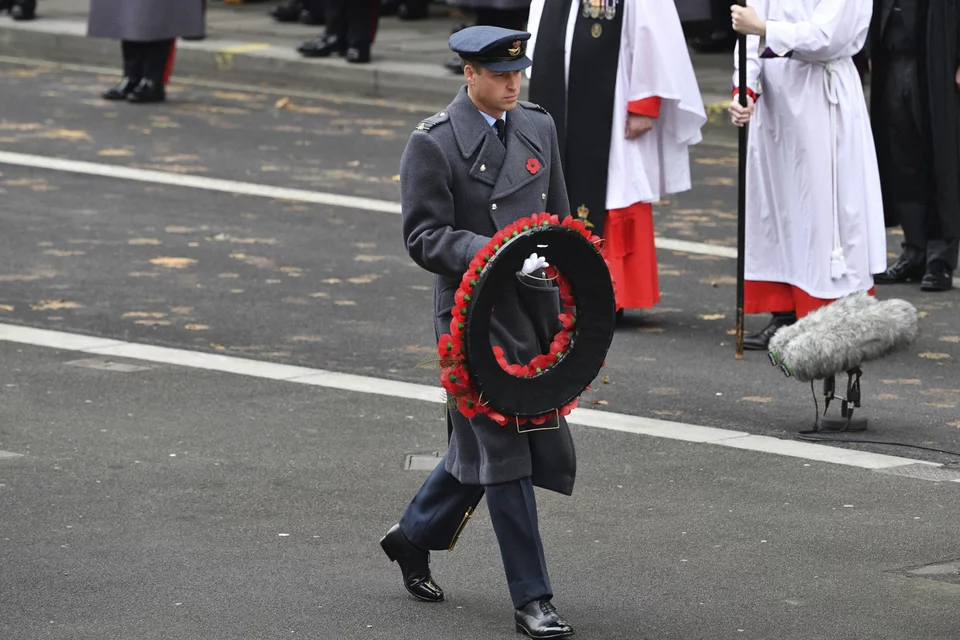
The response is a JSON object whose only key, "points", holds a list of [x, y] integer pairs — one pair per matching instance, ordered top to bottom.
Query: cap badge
{"points": [[515, 50]]}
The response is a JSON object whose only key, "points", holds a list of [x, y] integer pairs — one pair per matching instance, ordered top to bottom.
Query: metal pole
{"points": [[741, 194]]}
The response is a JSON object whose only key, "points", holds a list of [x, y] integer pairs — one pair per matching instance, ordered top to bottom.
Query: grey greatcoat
{"points": [[145, 20], [459, 185]]}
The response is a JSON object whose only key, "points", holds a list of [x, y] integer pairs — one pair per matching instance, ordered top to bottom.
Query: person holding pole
{"points": [[814, 210]]}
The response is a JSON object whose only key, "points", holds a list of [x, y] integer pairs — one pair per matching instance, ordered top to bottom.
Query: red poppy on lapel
{"points": [[533, 165]]}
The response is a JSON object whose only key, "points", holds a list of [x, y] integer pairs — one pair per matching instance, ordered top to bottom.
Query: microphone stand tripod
{"points": [[846, 422]]}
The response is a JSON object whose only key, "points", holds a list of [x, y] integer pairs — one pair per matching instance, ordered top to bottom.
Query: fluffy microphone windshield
{"points": [[843, 335]]}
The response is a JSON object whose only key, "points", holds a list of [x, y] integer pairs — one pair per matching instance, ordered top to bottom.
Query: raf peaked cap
{"points": [[493, 48]]}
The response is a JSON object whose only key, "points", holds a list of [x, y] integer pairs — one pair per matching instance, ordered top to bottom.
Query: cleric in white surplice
{"points": [[618, 80], [815, 229]]}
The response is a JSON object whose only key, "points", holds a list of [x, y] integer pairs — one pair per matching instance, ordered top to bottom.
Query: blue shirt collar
{"points": [[491, 120]]}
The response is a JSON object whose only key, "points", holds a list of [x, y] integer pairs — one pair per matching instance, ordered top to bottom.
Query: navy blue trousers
{"points": [[437, 511]]}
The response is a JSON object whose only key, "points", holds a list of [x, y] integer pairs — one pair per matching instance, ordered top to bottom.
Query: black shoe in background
{"points": [[23, 9], [288, 11], [323, 47], [358, 55], [122, 90], [147, 92], [903, 270], [939, 277], [761, 340]]}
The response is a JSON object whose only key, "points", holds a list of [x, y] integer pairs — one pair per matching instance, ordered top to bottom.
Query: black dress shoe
{"points": [[24, 10], [288, 11], [323, 47], [358, 54], [122, 90], [147, 92], [903, 270], [939, 277], [759, 341], [414, 564], [539, 619]]}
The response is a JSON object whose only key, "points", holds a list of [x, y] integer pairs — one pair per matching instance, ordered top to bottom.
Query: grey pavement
{"points": [[245, 45], [331, 287], [179, 504]]}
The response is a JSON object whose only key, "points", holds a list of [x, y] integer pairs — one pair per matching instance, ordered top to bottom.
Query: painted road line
{"points": [[196, 182], [265, 191], [376, 386]]}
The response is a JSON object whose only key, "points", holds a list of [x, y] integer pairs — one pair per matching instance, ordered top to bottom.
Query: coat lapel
{"points": [[472, 131], [524, 155]]}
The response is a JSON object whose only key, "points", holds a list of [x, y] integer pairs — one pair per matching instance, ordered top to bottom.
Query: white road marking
{"points": [[266, 191], [377, 386]]}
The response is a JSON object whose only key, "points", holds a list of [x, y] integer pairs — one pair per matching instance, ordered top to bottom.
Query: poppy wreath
{"points": [[478, 377]]}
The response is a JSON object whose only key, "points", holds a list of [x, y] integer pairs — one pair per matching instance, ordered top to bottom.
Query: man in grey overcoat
{"points": [[148, 30], [465, 174]]}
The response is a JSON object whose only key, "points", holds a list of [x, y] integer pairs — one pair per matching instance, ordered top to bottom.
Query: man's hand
{"points": [[745, 20], [958, 77], [739, 114], [638, 125], [533, 263]]}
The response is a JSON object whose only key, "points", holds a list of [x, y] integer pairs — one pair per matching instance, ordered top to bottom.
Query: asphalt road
{"points": [[331, 286], [168, 502], [171, 503]]}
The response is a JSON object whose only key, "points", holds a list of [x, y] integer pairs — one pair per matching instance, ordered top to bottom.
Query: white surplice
{"points": [[654, 62], [814, 209]]}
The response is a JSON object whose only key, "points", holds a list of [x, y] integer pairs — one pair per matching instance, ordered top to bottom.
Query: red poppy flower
{"points": [[467, 407]]}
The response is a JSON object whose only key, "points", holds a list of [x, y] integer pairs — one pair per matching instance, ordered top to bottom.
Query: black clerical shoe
{"points": [[323, 47], [359, 55], [122, 90], [147, 92], [903, 270], [939, 277], [759, 341], [414, 564], [539, 619]]}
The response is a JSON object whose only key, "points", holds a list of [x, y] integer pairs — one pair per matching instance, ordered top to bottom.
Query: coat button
{"points": [[483, 167], [543, 197], [493, 206]]}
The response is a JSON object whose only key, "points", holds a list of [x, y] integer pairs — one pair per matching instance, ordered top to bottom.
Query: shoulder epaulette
{"points": [[533, 106], [432, 121]]}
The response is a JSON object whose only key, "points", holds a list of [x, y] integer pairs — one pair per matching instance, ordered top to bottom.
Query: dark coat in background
{"points": [[145, 20], [936, 28]]}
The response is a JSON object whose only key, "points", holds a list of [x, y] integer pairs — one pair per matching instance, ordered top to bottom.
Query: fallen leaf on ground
{"points": [[115, 153], [144, 241], [173, 263], [345, 303], [46, 305], [143, 314], [713, 316], [196, 327], [949, 338], [934, 356], [757, 399], [600, 402]]}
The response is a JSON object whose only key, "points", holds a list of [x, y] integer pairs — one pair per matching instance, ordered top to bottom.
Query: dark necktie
{"points": [[501, 129]]}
